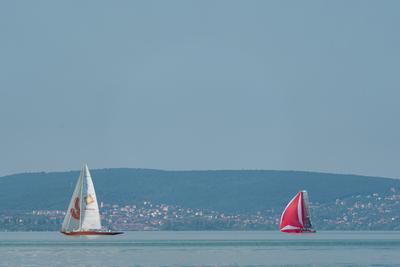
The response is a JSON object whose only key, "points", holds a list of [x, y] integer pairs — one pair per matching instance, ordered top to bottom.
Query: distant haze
{"points": [[292, 85]]}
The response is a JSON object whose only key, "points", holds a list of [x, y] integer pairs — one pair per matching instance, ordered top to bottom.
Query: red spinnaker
{"points": [[295, 217]]}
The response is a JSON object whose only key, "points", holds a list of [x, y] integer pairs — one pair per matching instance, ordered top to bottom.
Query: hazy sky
{"points": [[299, 85]]}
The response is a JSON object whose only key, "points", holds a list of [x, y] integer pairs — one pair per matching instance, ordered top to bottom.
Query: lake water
{"points": [[205, 249]]}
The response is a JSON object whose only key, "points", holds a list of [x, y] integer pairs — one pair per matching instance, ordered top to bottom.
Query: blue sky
{"points": [[292, 85]]}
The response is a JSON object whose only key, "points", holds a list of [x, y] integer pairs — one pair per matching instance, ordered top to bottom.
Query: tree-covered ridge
{"points": [[232, 191]]}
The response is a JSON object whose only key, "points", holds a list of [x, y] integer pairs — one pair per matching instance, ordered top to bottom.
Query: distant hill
{"points": [[231, 191]]}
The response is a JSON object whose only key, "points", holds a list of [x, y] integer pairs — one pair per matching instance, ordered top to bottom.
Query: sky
{"points": [[183, 85]]}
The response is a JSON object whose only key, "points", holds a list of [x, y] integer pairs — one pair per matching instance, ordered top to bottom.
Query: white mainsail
{"points": [[83, 210], [307, 214], [91, 215]]}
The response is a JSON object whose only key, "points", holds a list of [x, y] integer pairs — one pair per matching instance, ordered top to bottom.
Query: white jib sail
{"points": [[90, 208], [72, 218]]}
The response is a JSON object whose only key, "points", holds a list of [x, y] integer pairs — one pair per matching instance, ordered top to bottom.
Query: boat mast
{"points": [[80, 199]]}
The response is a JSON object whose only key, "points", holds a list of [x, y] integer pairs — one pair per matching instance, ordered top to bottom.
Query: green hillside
{"points": [[244, 191]]}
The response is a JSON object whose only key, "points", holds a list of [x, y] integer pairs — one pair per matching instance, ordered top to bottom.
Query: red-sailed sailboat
{"points": [[83, 216], [296, 216]]}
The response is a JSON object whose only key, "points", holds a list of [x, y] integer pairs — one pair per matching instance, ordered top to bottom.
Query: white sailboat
{"points": [[83, 216]]}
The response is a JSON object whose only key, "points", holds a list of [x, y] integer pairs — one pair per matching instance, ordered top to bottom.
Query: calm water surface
{"points": [[202, 249]]}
